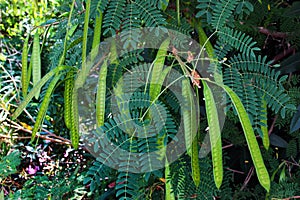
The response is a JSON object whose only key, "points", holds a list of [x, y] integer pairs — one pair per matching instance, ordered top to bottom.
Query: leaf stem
{"points": [[178, 12]]}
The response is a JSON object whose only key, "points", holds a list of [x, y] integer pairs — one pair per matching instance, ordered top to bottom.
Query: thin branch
{"points": [[273, 34], [282, 55], [273, 124], [17, 126], [29, 137], [227, 146], [292, 163], [233, 170], [247, 178], [294, 197]]}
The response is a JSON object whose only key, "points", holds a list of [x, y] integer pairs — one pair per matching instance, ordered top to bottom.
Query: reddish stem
{"points": [[273, 34], [284, 54], [273, 124], [248, 178]]}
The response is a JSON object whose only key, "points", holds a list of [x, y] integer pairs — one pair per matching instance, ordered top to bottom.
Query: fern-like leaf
{"points": [[205, 9], [222, 12], [149, 13], [113, 17], [131, 34], [238, 40], [264, 81], [128, 185]]}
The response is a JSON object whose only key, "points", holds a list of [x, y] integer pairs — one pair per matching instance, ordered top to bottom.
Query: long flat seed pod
{"points": [[69, 24], [85, 33], [97, 35], [113, 53], [36, 62], [158, 68], [24, 75], [69, 85], [156, 88], [33, 91], [101, 94], [44, 106], [188, 116], [74, 119], [190, 129], [214, 133], [195, 163], [261, 171]]}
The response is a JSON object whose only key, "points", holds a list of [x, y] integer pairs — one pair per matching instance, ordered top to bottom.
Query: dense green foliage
{"points": [[133, 96]]}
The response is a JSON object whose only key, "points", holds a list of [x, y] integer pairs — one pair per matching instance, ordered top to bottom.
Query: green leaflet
{"points": [[163, 4], [71, 30], [74, 43], [36, 62], [24, 76], [156, 79], [69, 85], [35, 89], [101, 94], [44, 106], [74, 119], [190, 129], [264, 129], [214, 133], [258, 162]]}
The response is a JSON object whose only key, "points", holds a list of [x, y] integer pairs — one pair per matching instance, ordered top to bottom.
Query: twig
{"points": [[273, 34], [283, 55], [273, 124], [29, 137], [56, 138], [227, 146], [292, 163], [233, 170], [247, 178], [289, 198]]}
